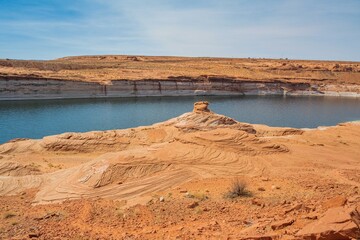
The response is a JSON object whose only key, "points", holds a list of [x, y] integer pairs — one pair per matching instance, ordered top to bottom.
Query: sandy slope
{"points": [[295, 177]]}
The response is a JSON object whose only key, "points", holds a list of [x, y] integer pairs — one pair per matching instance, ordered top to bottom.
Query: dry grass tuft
{"points": [[238, 188]]}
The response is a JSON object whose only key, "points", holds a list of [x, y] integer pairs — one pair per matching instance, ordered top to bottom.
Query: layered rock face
{"points": [[124, 76], [52, 89]]}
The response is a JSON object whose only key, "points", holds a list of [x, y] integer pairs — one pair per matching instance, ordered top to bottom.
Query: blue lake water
{"points": [[39, 118]]}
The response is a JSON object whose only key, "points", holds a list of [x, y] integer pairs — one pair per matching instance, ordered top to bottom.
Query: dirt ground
{"points": [[196, 210]]}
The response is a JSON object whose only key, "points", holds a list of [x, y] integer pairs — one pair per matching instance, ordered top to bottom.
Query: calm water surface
{"points": [[38, 118]]}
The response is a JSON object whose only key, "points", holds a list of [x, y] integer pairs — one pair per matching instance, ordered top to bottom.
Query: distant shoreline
{"points": [[145, 76], [30, 89]]}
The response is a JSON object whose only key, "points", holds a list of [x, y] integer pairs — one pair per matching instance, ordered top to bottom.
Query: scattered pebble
{"points": [[193, 205]]}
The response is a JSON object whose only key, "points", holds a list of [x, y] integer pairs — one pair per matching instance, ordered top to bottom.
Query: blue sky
{"points": [[296, 29]]}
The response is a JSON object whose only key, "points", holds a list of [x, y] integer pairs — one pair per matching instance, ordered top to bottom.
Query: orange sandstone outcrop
{"points": [[201, 107], [337, 223]]}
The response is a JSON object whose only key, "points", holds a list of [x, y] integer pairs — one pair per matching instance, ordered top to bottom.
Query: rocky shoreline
{"points": [[137, 76], [27, 89]]}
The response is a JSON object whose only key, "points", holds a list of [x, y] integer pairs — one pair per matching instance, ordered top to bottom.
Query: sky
{"points": [[294, 29]]}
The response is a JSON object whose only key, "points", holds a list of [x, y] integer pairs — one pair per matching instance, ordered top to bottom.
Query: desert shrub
{"points": [[238, 188], [198, 195]]}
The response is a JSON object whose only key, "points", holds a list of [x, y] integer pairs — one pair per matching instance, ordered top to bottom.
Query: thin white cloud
{"points": [[206, 30]]}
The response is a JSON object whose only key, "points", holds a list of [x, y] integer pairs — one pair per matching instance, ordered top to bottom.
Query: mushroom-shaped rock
{"points": [[201, 107]]}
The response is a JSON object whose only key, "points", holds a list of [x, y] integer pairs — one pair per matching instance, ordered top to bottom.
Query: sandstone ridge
{"points": [[172, 148]]}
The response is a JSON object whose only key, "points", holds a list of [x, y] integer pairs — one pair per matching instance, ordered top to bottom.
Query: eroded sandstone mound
{"points": [[141, 160]]}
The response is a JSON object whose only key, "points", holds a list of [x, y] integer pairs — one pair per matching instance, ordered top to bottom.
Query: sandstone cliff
{"points": [[123, 76]]}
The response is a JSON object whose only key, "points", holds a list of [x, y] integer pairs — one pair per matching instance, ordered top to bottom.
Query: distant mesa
{"points": [[134, 58]]}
